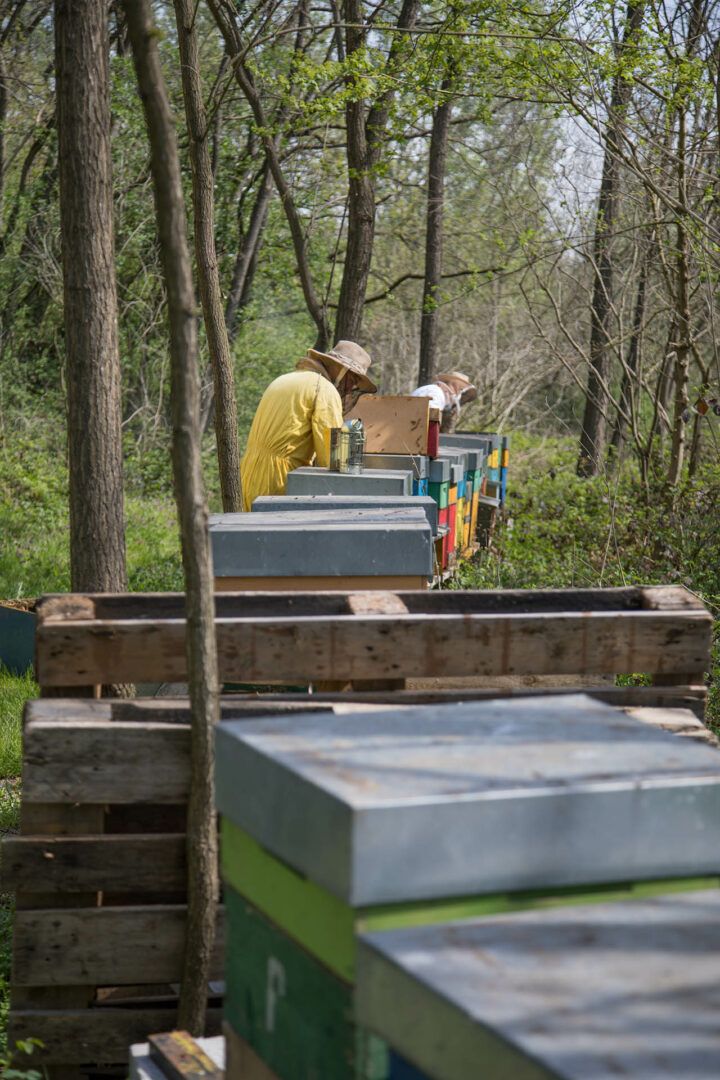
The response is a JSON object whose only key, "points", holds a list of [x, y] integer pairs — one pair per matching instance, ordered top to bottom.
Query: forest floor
{"points": [[558, 531]]}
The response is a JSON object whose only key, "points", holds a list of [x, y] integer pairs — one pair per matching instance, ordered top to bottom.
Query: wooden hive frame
{"points": [[99, 866]]}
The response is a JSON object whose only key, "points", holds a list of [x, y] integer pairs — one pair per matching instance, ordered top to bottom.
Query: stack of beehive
{"points": [[362, 540], [381, 823]]}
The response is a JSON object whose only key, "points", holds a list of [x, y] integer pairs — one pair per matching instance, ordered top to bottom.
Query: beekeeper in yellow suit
{"points": [[295, 410]]}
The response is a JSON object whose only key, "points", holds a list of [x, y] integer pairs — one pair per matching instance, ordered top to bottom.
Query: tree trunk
{"points": [[365, 140], [246, 261], [429, 321], [682, 321], [632, 365], [226, 421], [592, 438], [192, 511], [97, 519]]}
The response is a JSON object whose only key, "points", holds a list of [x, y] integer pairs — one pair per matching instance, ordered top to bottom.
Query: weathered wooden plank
{"points": [[393, 424], [380, 603], [245, 605], [155, 606], [377, 646], [234, 706], [89, 761], [57, 820], [145, 863], [107, 946], [99, 1036], [180, 1057]]}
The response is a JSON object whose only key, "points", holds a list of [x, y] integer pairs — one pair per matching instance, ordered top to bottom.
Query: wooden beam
{"points": [[306, 649], [94, 761], [140, 863], [105, 946], [98, 1036]]}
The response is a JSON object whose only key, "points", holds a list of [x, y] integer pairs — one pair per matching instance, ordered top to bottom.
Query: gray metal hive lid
{"points": [[474, 451], [456, 454], [418, 464], [439, 470], [314, 481], [276, 503], [338, 543], [482, 797], [582, 993]]}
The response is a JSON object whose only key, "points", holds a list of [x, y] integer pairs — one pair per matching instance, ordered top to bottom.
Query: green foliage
{"points": [[563, 532], [34, 557], [14, 692]]}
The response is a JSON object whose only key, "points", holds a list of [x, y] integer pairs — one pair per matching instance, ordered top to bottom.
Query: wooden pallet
{"points": [[302, 638], [99, 866], [99, 873]]}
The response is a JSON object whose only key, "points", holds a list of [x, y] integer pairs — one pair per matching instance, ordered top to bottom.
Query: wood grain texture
{"points": [[393, 424], [243, 605], [305, 649], [93, 761], [143, 863], [104, 946], [100, 1036]]}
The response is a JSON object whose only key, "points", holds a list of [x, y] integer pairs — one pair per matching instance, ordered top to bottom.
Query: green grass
{"points": [[34, 520], [14, 692]]}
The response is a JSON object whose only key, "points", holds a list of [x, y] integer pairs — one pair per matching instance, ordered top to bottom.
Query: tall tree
{"points": [[366, 126], [429, 321], [226, 422], [592, 438], [192, 511], [97, 520]]}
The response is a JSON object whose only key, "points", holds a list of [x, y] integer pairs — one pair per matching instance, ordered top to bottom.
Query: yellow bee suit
{"points": [[288, 431]]}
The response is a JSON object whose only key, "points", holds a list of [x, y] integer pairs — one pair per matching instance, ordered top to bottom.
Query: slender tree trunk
{"points": [[3, 123], [366, 132], [246, 261], [242, 279], [430, 318], [682, 320], [629, 386], [226, 421], [592, 438], [97, 519], [200, 608]]}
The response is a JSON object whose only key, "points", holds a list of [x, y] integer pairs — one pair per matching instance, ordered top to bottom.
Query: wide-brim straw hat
{"points": [[352, 357], [456, 377]]}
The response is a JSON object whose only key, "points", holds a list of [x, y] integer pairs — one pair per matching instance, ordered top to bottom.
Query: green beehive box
{"points": [[439, 492], [293, 1012]]}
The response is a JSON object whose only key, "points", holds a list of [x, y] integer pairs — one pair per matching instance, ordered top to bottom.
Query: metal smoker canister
{"points": [[347, 447]]}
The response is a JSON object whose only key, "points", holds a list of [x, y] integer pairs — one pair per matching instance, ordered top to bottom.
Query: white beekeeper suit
{"points": [[448, 393]]}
